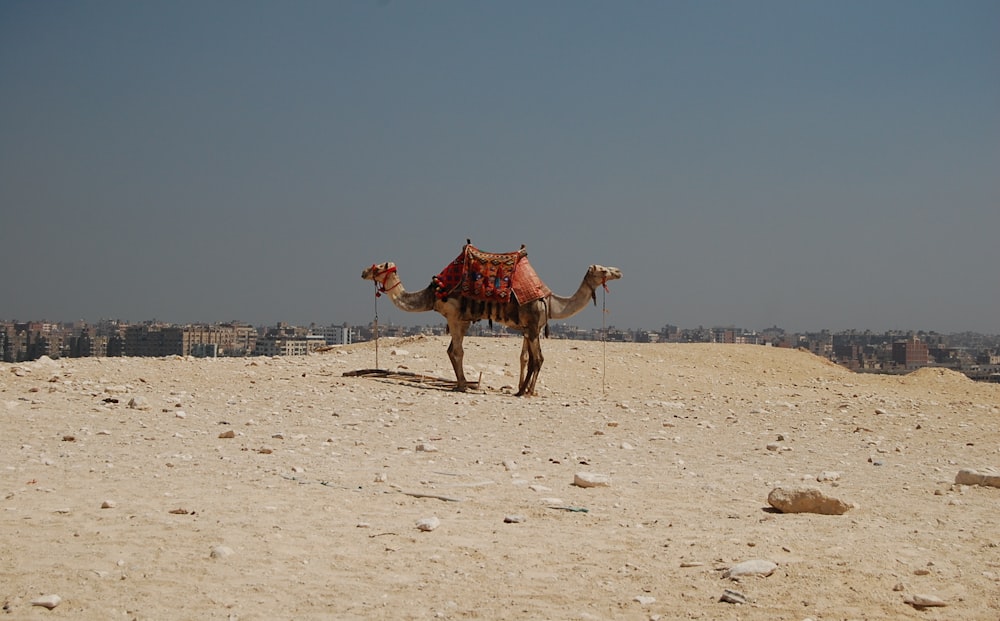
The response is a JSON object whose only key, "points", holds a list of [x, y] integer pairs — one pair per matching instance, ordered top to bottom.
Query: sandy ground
{"points": [[312, 507]]}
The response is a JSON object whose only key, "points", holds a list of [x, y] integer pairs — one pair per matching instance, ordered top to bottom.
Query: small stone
{"points": [[138, 403], [180, 414], [228, 434], [69, 438], [626, 446], [771, 446], [425, 447], [828, 476], [381, 477], [989, 477], [591, 479], [806, 499], [109, 504], [513, 519], [428, 524], [221, 552], [756, 567], [733, 597], [645, 600], [47, 601], [925, 601]]}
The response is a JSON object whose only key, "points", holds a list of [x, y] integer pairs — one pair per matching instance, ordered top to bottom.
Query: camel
{"points": [[530, 318]]}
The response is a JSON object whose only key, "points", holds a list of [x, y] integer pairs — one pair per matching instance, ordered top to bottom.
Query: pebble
{"points": [[228, 434], [426, 448], [989, 477], [591, 479], [806, 499], [109, 504], [513, 519], [428, 524], [221, 552], [756, 567], [733, 597], [645, 600], [47, 601], [924, 601]]}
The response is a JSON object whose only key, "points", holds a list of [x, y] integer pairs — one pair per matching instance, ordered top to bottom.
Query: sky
{"points": [[811, 165]]}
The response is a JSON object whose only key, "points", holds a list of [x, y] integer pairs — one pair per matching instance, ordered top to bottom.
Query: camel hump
{"points": [[488, 276]]}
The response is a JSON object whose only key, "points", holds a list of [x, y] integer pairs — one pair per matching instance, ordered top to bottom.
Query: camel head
{"points": [[377, 271], [380, 273], [598, 276]]}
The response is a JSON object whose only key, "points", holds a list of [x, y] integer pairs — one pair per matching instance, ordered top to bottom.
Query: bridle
{"points": [[380, 277]]}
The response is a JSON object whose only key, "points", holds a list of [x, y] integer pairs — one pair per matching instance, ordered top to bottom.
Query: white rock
{"points": [[425, 447], [591, 479], [109, 504], [513, 519], [428, 524], [221, 552], [756, 567], [645, 600], [47, 601], [925, 601]]}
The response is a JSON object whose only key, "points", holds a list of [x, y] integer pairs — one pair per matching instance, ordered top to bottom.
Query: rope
{"points": [[377, 295], [604, 339]]}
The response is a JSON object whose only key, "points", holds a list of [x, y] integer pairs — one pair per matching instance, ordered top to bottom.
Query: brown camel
{"points": [[530, 318]]}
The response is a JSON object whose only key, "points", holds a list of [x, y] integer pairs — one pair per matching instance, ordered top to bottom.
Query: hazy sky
{"points": [[803, 163]]}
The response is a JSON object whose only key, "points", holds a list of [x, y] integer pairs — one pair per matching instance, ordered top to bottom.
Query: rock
{"points": [[138, 403], [228, 434], [425, 447], [828, 476], [989, 477], [591, 479], [806, 499], [109, 504], [513, 519], [428, 524], [221, 552], [756, 567], [733, 597], [645, 600], [47, 601], [924, 601]]}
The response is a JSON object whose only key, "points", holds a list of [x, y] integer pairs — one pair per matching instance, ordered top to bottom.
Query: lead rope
{"points": [[375, 326], [604, 339]]}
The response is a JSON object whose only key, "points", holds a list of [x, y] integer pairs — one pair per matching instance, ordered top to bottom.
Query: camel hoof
{"points": [[459, 389]]}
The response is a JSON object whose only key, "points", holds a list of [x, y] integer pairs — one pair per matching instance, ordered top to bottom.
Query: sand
{"points": [[310, 510]]}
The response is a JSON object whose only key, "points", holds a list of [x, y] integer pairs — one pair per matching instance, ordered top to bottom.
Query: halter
{"points": [[384, 275]]}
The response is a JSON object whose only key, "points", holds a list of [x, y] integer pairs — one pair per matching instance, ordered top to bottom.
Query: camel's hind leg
{"points": [[533, 345], [456, 353]]}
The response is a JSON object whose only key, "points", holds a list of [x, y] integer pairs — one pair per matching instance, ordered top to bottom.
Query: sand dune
{"points": [[120, 493]]}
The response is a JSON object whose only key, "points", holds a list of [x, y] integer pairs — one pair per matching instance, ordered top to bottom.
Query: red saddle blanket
{"points": [[491, 277]]}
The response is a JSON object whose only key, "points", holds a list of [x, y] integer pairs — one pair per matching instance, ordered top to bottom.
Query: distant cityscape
{"points": [[975, 355]]}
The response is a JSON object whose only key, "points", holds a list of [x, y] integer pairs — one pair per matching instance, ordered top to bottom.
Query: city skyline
{"points": [[804, 165]]}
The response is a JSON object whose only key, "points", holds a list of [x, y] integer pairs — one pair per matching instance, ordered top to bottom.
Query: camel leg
{"points": [[534, 346], [456, 353], [525, 354]]}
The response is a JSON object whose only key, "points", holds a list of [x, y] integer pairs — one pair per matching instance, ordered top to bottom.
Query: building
{"points": [[334, 335], [910, 354]]}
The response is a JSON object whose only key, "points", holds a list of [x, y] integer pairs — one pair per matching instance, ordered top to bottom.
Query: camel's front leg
{"points": [[534, 348], [456, 353], [525, 354]]}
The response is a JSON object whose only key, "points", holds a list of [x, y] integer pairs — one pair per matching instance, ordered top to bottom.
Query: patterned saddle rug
{"points": [[491, 277]]}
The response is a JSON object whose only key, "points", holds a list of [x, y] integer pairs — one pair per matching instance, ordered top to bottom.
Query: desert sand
{"points": [[121, 494]]}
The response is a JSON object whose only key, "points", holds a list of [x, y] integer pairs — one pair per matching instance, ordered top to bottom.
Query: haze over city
{"points": [[807, 165]]}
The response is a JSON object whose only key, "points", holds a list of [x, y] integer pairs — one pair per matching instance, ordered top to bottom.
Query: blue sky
{"points": [[806, 164]]}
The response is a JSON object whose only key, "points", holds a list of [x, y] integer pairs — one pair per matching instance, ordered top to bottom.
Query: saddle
{"points": [[490, 277]]}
